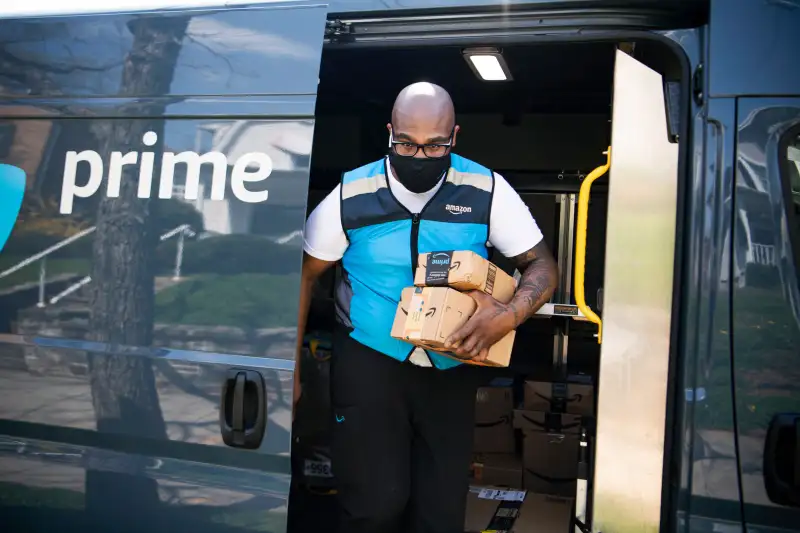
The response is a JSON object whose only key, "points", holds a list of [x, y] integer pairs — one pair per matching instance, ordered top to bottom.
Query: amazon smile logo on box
{"points": [[12, 190]]}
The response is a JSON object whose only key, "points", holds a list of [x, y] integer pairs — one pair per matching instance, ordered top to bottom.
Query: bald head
{"points": [[423, 113]]}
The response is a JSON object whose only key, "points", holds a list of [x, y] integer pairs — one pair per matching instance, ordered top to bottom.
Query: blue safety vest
{"points": [[385, 239]]}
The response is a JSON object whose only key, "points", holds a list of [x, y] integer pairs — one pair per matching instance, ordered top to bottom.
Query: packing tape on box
{"points": [[414, 320]]}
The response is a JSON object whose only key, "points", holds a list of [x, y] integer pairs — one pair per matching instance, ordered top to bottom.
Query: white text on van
{"points": [[241, 174]]}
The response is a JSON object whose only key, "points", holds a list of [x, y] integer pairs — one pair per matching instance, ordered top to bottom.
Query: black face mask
{"points": [[419, 174]]}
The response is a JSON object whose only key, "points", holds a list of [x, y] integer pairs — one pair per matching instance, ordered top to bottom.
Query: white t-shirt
{"points": [[512, 228]]}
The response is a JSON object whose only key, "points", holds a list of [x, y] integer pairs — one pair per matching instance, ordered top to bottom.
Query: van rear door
{"points": [[149, 284], [637, 308]]}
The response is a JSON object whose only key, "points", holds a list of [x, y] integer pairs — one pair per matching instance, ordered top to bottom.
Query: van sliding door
{"points": [[150, 284], [637, 304], [766, 311]]}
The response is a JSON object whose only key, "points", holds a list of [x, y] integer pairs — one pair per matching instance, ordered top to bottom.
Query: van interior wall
{"points": [[552, 117]]}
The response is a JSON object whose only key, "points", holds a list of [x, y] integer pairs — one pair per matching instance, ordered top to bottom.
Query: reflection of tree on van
{"points": [[122, 291]]}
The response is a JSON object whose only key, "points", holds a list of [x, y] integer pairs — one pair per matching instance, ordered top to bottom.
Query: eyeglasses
{"points": [[408, 149]]}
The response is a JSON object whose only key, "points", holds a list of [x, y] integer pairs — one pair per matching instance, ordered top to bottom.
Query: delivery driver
{"points": [[404, 418]]}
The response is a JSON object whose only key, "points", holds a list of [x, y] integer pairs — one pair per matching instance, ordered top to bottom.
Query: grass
{"points": [[241, 300], [765, 360], [18, 495]]}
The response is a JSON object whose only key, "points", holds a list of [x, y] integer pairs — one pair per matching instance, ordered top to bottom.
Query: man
{"points": [[404, 416]]}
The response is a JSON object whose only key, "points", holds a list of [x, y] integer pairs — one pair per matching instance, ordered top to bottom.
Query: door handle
{"points": [[580, 244], [243, 409], [782, 459]]}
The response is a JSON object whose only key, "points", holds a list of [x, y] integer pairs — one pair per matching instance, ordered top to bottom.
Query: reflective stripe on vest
{"points": [[384, 236]]}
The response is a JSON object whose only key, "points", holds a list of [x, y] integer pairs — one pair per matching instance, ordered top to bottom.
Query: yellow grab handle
{"points": [[580, 244]]}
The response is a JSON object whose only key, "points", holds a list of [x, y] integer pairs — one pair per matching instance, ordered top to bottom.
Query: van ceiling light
{"points": [[487, 63]]}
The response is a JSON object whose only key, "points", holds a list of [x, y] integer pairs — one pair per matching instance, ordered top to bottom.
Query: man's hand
{"points": [[491, 322]]}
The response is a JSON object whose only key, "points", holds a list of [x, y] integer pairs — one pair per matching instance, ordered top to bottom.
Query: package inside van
{"points": [[545, 129]]}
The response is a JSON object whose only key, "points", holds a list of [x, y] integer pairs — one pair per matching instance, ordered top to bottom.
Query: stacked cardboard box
{"points": [[434, 308], [494, 409], [550, 422], [494, 459], [496, 469], [539, 485]]}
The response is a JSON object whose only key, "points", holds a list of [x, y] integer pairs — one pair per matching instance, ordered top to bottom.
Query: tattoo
{"points": [[539, 281], [498, 309]]}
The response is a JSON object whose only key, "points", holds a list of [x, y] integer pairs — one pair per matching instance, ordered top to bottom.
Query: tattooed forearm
{"points": [[538, 282]]}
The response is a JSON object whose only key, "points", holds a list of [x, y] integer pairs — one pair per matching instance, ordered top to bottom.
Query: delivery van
{"points": [[158, 160]]}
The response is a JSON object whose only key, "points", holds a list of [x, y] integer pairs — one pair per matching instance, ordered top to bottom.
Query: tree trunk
{"points": [[124, 393]]}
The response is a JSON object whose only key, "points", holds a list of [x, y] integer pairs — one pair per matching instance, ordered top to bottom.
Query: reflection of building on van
{"points": [[286, 144], [147, 343]]}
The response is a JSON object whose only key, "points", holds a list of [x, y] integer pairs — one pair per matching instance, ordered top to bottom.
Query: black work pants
{"points": [[402, 440]]}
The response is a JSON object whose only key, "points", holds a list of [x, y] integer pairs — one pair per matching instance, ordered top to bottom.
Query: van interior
{"points": [[544, 130]]}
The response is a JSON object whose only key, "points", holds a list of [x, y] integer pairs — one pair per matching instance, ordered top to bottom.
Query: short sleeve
{"points": [[512, 228], [324, 237]]}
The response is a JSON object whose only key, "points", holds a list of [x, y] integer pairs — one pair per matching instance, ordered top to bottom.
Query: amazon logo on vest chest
{"points": [[457, 209]]}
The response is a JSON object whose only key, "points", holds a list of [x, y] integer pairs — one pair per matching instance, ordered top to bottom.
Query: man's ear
{"points": [[389, 126], [456, 129]]}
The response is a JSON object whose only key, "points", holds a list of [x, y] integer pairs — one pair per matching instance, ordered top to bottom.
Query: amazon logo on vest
{"points": [[12, 190], [457, 209]]}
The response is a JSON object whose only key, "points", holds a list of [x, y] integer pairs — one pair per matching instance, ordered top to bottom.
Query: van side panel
{"points": [[753, 47], [158, 246], [766, 306], [709, 475]]}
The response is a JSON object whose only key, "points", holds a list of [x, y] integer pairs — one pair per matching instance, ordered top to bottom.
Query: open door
{"points": [[149, 287], [637, 304]]}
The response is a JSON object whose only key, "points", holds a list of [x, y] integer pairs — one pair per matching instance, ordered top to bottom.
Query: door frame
{"points": [[401, 32]]}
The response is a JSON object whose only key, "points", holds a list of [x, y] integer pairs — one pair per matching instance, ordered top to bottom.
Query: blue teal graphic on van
{"points": [[12, 189]]}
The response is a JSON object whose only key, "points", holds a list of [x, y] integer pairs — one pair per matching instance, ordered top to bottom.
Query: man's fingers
{"points": [[455, 339], [470, 345]]}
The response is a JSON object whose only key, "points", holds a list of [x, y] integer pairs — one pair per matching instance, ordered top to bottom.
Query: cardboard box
{"points": [[465, 271], [434, 313], [399, 324], [575, 398], [493, 402], [547, 422], [494, 431], [550, 462], [497, 469], [516, 512]]}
